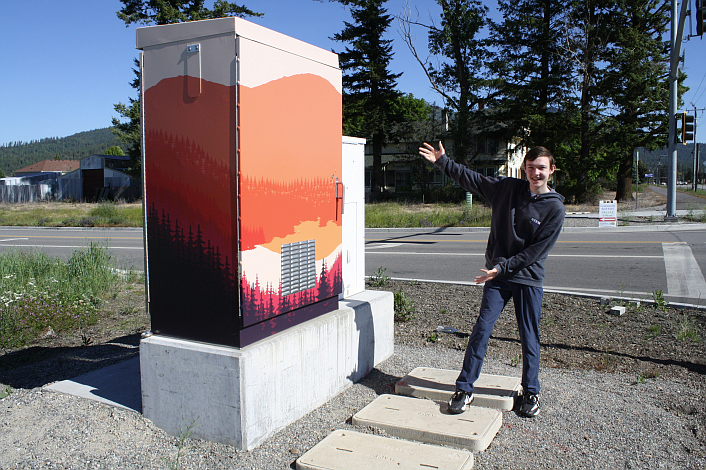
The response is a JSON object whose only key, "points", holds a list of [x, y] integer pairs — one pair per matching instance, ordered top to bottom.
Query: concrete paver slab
{"points": [[115, 385], [491, 391], [428, 421], [351, 450]]}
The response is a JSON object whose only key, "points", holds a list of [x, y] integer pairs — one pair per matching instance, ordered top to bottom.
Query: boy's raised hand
{"points": [[430, 154]]}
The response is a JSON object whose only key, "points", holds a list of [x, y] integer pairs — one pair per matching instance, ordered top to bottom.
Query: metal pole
{"points": [[676, 39], [696, 152], [637, 176]]}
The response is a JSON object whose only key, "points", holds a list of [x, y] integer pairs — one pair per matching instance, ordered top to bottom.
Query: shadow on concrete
{"points": [[38, 366], [117, 385]]}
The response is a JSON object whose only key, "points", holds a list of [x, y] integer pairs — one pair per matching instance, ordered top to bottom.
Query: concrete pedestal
{"points": [[242, 396]]}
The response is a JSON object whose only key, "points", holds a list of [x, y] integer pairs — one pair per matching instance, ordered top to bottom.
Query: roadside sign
{"points": [[649, 175], [608, 214]]}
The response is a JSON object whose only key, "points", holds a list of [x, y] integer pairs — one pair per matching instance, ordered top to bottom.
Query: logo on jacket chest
{"points": [[535, 222]]}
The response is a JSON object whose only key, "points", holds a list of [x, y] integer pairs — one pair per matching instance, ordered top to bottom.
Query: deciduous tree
{"points": [[456, 69]]}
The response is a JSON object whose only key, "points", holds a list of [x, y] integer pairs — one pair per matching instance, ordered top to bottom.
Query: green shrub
{"points": [[38, 292]]}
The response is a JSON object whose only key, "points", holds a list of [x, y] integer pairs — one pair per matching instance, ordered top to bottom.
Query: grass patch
{"points": [[698, 192], [67, 214], [400, 215], [39, 293], [687, 330], [655, 331]]}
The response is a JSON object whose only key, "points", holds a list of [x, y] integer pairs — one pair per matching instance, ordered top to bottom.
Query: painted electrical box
{"points": [[243, 185]]}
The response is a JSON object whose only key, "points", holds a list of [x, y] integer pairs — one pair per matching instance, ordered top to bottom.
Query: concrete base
{"points": [[242, 396], [350, 450]]}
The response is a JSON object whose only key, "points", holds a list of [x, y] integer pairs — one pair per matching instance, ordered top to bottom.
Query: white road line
{"points": [[12, 239], [73, 246], [383, 246], [369, 252], [684, 276]]}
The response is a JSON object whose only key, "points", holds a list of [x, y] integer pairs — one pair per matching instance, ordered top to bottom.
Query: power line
{"points": [[698, 88]]}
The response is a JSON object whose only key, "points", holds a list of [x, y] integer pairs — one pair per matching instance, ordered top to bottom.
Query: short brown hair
{"points": [[536, 152]]}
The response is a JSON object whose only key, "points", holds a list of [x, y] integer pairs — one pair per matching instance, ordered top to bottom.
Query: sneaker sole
{"points": [[529, 415]]}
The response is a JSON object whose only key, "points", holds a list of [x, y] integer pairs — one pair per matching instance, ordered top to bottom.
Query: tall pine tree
{"points": [[638, 64], [457, 70], [533, 77], [370, 98]]}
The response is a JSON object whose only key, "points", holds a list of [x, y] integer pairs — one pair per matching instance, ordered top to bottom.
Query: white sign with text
{"points": [[608, 214]]}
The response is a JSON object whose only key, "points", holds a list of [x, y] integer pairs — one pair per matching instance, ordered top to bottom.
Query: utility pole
{"points": [[676, 39], [637, 176], [694, 184]]}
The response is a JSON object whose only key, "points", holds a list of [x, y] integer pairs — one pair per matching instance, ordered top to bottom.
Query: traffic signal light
{"points": [[700, 17], [678, 121], [687, 128]]}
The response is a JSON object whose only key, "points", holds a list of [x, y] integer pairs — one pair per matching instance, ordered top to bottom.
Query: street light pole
{"points": [[676, 39]]}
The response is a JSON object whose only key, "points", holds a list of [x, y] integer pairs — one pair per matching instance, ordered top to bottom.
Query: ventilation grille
{"points": [[298, 267]]}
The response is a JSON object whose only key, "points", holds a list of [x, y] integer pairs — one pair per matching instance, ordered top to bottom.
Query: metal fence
{"points": [[65, 190]]}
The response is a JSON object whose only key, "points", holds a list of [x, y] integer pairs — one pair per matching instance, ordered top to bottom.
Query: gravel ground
{"points": [[609, 399], [589, 419]]}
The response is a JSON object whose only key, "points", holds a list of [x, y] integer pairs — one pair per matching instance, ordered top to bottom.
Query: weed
{"points": [[379, 279], [621, 294], [659, 302], [127, 307], [404, 307], [443, 311], [547, 321], [687, 330], [655, 331], [433, 338], [86, 340], [517, 360], [606, 362], [642, 378], [6, 391], [181, 444]]}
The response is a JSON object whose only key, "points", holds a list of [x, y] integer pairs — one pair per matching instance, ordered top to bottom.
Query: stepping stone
{"points": [[491, 391], [427, 421], [351, 450]]}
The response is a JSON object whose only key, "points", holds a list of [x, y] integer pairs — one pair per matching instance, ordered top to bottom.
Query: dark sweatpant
{"points": [[528, 304]]}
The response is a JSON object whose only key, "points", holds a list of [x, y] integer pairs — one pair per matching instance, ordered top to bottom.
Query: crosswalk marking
{"points": [[684, 276]]}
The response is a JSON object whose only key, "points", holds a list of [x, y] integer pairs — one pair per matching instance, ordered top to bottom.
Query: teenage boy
{"points": [[526, 219]]}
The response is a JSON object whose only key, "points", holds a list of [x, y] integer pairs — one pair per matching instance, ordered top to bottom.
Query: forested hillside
{"points": [[16, 155]]}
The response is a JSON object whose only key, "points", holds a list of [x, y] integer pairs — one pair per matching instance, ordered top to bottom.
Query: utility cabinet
{"points": [[243, 188]]}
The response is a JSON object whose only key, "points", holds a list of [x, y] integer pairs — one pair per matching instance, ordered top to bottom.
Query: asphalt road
{"points": [[684, 201], [125, 244], [625, 261]]}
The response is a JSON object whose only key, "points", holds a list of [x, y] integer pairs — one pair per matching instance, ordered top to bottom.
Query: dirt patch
{"points": [[645, 200]]}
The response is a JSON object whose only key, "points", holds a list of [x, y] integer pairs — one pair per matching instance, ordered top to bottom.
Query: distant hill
{"points": [[16, 155], [685, 156]]}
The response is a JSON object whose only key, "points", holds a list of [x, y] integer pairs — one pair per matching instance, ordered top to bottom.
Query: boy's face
{"points": [[538, 172]]}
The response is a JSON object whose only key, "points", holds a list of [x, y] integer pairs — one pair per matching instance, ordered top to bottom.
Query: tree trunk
{"points": [[624, 191]]}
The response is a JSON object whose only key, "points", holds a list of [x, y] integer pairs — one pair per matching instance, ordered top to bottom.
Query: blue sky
{"points": [[66, 63]]}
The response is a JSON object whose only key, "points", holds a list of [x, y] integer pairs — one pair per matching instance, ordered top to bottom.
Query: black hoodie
{"points": [[523, 227]]}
